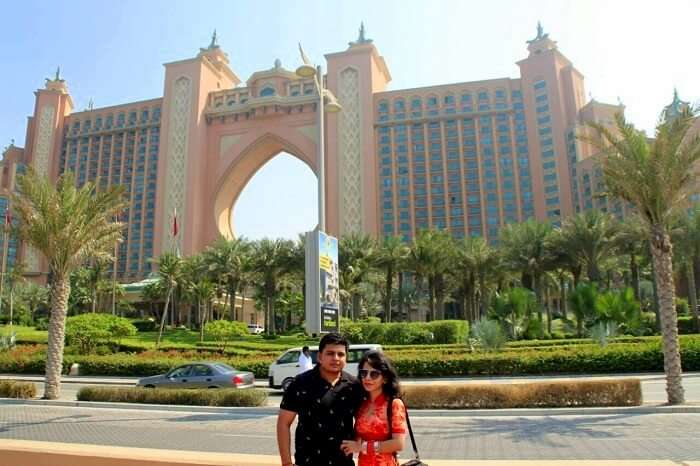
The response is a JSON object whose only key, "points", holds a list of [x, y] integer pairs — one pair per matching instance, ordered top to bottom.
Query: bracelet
{"points": [[363, 447], [375, 447], [288, 464]]}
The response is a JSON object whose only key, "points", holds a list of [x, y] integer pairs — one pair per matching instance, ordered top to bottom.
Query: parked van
{"points": [[255, 329], [283, 371]]}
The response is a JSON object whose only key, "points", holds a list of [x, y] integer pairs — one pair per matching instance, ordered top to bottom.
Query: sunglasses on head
{"points": [[372, 374]]}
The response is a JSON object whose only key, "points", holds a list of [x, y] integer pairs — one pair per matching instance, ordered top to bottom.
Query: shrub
{"points": [[42, 323], [145, 325], [685, 325], [534, 329], [87, 331], [223, 331], [601, 332], [405, 333], [489, 335], [8, 341], [15, 389], [526, 395], [206, 397]]}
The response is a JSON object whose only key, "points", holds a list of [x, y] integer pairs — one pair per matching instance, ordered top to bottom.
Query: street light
{"points": [[326, 103]]}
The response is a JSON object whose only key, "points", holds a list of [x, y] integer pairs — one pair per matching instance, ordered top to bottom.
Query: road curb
{"points": [[272, 411]]}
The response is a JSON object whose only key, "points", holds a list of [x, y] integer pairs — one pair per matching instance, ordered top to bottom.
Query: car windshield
{"points": [[224, 367]]}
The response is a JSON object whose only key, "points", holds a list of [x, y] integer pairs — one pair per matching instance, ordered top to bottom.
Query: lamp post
{"points": [[326, 103], [315, 314]]}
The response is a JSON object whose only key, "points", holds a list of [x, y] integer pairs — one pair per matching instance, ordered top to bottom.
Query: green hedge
{"points": [[685, 325], [407, 333], [590, 360], [207, 397]]}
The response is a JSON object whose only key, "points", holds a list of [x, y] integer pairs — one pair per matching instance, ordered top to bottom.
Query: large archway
{"points": [[244, 158], [285, 191]]}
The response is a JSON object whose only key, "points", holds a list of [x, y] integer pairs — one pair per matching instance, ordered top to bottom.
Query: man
{"points": [[305, 362], [325, 398]]}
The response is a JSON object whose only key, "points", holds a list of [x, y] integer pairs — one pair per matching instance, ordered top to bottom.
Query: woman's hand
{"points": [[351, 446]]}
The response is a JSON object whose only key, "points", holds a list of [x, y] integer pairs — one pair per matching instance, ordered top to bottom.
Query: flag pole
{"points": [[5, 247]]}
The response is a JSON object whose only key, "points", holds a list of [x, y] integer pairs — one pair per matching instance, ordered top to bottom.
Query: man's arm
{"points": [[284, 437]]}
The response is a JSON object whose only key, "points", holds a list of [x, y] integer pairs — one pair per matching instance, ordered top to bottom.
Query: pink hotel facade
{"points": [[466, 157]]}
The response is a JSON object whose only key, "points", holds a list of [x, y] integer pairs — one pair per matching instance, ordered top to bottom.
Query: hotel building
{"points": [[467, 157]]}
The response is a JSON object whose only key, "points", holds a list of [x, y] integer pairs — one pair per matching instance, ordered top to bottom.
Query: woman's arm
{"points": [[396, 444]]}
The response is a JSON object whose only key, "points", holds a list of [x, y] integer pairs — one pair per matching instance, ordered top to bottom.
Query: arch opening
{"points": [[278, 201]]}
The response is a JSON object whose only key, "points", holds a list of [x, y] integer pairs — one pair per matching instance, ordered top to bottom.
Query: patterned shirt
{"points": [[325, 417]]}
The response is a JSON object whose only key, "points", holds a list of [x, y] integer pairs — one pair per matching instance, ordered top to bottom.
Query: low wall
{"points": [[30, 453]]}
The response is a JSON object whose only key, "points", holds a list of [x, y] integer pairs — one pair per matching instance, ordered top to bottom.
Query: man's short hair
{"points": [[333, 339], [305, 349]]}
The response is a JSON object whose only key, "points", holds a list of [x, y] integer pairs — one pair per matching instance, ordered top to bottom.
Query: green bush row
{"points": [[685, 325], [406, 333], [611, 359], [219, 397]]}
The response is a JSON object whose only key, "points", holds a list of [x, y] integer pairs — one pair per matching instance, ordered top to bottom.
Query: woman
{"points": [[372, 439]]}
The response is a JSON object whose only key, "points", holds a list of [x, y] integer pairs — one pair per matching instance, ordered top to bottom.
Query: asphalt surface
{"points": [[447, 436]]}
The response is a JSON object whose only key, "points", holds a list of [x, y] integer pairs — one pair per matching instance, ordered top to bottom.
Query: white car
{"points": [[255, 329], [286, 367]]}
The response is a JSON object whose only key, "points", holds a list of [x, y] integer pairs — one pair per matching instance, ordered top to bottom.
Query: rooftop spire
{"points": [[540, 34], [361, 37], [214, 41], [58, 74]]}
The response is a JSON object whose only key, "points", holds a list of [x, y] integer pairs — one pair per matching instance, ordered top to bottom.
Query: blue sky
{"points": [[113, 52]]}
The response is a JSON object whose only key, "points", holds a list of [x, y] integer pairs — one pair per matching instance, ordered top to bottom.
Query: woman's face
{"points": [[372, 379]]}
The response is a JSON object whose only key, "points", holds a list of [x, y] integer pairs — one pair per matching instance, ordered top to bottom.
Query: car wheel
{"points": [[285, 383], [149, 386]]}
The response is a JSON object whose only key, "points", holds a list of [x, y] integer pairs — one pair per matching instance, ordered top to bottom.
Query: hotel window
{"points": [[540, 85], [308, 88], [295, 90], [267, 91], [541, 98], [543, 109], [548, 165]]}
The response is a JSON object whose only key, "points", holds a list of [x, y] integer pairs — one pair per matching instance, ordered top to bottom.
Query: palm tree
{"points": [[656, 178], [68, 225], [589, 237], [686, 239], [632, 241], [526, 248], [391, 254], [357, 257], [430, 257], [226, 258], [272, 261], [169, 276]]}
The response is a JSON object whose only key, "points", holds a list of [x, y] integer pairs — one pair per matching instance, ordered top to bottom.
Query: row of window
{"points": [[109, 122]]}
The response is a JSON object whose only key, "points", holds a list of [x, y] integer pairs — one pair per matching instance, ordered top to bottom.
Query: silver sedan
{"points": [[200, 375]]}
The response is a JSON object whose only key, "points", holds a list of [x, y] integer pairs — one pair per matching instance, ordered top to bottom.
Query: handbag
{"points": [[416, 461]]}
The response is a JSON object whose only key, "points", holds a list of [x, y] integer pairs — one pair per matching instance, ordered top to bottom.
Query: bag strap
{"points": [[389, 411]]}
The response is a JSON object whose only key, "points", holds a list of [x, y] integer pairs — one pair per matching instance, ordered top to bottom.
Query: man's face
{"points": [[333, 358]]}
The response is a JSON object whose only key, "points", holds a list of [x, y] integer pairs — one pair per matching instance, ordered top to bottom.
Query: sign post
{"points": [[322, 283]]}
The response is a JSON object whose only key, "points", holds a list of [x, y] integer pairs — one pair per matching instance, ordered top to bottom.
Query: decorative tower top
{"points": [[361, 38], [541, 42], [214, 44], [278, 63], [57, 83], [676, 107]]}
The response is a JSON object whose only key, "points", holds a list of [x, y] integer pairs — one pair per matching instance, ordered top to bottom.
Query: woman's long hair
{"points": [[378, 360]]}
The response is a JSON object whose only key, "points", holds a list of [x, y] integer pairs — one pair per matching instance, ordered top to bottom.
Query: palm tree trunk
{"points": [[662, 251], [634, 271], [655, 289], [60, 291], [400, 294], [692, 295], [482, 296], [387, 298], [562, 298], [94, 299], [232, 301], [356, 305], [548, 309], [164, 316]]}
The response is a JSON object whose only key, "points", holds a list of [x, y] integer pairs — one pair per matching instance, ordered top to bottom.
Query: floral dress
{"points": [[372, 424]]}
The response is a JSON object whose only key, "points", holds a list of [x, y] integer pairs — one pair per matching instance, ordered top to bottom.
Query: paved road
{"points": [[653, 385], [451, 436]]}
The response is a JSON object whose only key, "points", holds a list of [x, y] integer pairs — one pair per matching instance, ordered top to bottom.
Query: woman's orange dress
{"points": [[372, 424]]}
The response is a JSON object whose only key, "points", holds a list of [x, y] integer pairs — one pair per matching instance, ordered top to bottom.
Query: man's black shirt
{"points": [[325, 415]]}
